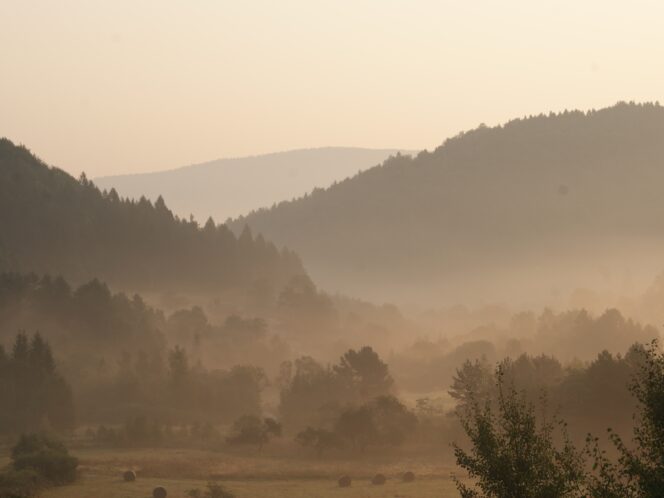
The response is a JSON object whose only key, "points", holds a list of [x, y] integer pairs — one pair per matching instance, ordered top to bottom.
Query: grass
{"points": [[250, 475], [106, 487]]}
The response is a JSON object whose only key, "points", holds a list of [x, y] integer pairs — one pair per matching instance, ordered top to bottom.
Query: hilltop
{"points": [[231, 187], [528, 209]]}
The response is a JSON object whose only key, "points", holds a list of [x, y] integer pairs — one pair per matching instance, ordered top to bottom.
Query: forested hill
{"points": [[559, 196], [52, 223]]}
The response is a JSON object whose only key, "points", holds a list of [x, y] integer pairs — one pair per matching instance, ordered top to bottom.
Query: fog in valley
{"points": [[463, 300]]}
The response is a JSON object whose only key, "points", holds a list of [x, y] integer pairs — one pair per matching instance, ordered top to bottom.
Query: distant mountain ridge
{"points": [[231, 187], [531, 206]]}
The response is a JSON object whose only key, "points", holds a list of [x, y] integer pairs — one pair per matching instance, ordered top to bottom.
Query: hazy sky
{"points": [[123, 86]]}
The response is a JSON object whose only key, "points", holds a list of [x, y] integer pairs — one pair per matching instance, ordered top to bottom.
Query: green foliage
{"points": [[497, 188], [77, 231], [303, 308], [88, 318], [114, 354], [178, 368], [366, 371], [472, 380], [313, 394], [34, 395], [589, 395], [383, 421], [393, 421], [356, 425], [252, 430], [320, 440], [512, 454], [45, 456], [639, 471], [20, 484]]}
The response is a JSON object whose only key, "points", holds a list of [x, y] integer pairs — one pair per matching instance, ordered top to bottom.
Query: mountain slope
{"points": [[230, 187], [538, 205], [52, 223]]}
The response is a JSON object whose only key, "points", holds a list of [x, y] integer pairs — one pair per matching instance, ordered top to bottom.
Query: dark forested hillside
{"points": [[568, 199], [52, 223]]}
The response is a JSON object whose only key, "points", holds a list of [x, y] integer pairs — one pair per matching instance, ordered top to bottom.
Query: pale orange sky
{"points": [[130, 86]]}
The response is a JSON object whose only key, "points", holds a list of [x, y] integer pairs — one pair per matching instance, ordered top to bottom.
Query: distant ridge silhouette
{"points": [[548, 197]]}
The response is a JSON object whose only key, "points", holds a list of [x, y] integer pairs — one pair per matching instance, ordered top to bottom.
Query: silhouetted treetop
{"points": [[561, 189], [52, 223]]}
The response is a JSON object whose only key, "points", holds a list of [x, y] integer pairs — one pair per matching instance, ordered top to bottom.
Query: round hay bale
{"points": [[129, 476], [408, 476], [378, 480], [344, 481], [159, 492]]}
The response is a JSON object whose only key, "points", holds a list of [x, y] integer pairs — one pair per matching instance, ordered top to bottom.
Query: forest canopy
{"points": [[527, 210], [55, 224]]}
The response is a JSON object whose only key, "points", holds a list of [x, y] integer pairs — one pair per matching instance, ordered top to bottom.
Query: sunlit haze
{"points": [[136, 86], [331, 249]]}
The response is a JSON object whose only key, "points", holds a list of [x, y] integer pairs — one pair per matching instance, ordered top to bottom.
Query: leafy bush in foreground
{"points": [[514, 454]]}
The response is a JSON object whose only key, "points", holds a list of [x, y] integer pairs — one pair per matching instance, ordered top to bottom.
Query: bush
{"points": [[384, 421], [250, 429], [320, 440], [48, 458], [20, 484]]}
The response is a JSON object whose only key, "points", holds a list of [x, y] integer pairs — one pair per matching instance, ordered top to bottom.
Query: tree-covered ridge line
{"points": [[550, 193], [52, 223]]}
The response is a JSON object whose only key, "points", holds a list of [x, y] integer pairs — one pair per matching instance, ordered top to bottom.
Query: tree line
{"points": [[485, 200], [55, 224], [516, 450]]}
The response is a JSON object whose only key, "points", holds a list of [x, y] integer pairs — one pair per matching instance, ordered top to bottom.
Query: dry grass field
{"points": [[248, 476], [107, 487]]}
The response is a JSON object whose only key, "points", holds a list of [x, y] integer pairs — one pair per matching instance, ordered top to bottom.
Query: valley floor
{"points": [[247, 476], [101, 486]]}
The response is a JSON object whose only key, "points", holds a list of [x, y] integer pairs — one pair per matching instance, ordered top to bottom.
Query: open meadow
{"points": [[180, 471]]}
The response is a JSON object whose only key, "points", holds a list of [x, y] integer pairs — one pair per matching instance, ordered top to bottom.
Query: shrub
{"points": [[383, 421], [250, 429], [320, 440], [47, 457], [20, 484]]}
